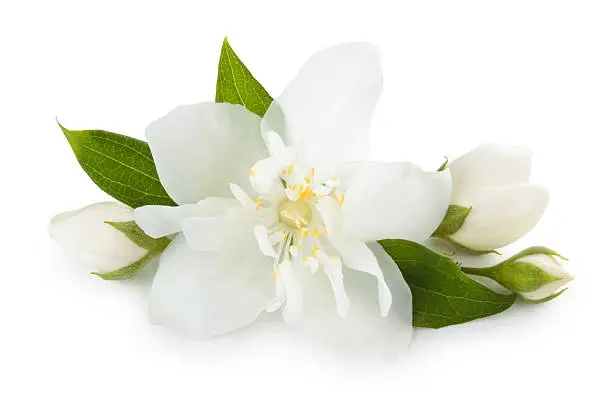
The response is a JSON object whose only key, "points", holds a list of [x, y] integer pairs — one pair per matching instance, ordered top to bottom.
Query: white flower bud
{"points": [[493, 181], [98, 245], [535, 274], [557, 276]]}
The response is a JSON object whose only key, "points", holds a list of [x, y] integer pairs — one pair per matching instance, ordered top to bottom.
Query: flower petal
{"points": [[326, 111], [199, 149], [490, 165], [393, 200], [500, 215], [158, 220], [222, 233], [100, 246], [356, 255], [332, 267], [203, 294], [292, 311], [363, 332]]}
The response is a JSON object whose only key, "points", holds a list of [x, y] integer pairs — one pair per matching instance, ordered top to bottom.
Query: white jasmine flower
{"points": [[494, 181], [283, 212], [85, 234]]}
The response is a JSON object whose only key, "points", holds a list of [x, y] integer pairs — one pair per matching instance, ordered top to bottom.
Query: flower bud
{"points": [[493, 204], [86, 235], [535, 274]]}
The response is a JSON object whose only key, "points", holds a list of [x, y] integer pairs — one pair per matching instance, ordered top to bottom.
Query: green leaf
{"points": [[236, 85], [121, 166], [453, 220], [139, 237], [129, 271], [442, 294]]}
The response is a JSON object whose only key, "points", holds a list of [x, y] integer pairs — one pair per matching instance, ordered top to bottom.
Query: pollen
{"points": [[251, 172], [258, 204], [317, 233], [315, 250]]}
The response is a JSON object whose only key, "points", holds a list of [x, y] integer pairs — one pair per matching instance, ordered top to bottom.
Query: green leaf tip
{"points": [[236, 84], [121, 166], [443, 166], [442, 294]]}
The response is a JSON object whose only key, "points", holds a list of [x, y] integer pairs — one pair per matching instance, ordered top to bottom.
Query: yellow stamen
{"points": [[251, 172], [312, 172], [307, 179], [306, 194], [339, 198], [258, 206], [316, 233], [315, 250], [275, 273]]}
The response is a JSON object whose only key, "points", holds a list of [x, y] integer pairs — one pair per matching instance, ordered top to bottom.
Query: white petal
{"points": [[326, 111], [274, 143], [200, 149], [490, 165], [266, 173], [242, 197], [393, 200], [331, 213], [500, 215], [158, 221], [223, 233], [261, 235], [98, 245], [356, 255], [332, 267], [203, 294], [292, 311], [363, 332]]}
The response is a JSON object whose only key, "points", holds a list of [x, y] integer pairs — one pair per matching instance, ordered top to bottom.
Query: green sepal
{"points": [[236, 84], [121, 166], [443, 166], [453, 221], [131, 230], [154, 247], [534, 250], [129, 271], [442, 294], [543, 300]]}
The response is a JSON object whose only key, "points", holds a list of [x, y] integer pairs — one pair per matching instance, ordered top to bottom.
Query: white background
{"points": [[457, 73]]}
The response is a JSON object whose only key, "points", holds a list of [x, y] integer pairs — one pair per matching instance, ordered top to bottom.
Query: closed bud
{"points": [[493, 203], [86, 234], [535, 274]]}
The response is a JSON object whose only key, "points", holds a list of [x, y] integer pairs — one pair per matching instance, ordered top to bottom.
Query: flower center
{"points": [[294, 214]]}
